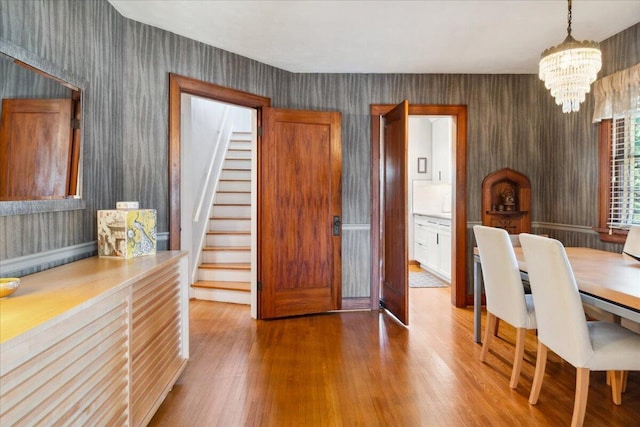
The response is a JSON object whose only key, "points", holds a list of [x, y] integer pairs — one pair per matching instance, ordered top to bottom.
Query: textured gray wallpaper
{"points": [[82, 38], [512, 122]]}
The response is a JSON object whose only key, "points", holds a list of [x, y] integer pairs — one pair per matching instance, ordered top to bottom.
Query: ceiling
{"points": [[393, 36]]}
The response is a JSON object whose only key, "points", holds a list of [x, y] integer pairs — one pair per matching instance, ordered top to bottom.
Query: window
{"points": [[617, 108], [620, 175], [624, 204]]}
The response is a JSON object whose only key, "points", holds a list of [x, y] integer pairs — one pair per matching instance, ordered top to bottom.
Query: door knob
{"points": [[336, 225]]}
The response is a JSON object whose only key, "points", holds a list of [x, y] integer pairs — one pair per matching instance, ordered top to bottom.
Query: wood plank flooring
{"points": [[365, 369]]}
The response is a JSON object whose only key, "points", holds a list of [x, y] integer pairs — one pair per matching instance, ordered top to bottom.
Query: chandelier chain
{"points": [[569, 18]]}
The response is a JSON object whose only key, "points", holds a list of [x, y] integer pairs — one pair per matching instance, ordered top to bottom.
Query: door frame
{"points": [[177, 86], [459, 195]]}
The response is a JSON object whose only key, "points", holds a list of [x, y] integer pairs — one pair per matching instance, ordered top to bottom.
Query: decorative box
{"points": [[126, 233]]}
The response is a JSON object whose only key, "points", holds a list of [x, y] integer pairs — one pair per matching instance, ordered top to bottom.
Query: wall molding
{"points": [[348, 227], [564, 227], [584, 229], [54, 256], [42, 260]]}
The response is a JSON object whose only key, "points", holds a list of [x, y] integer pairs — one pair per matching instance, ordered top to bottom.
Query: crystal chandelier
{"points": [[569, 69]]}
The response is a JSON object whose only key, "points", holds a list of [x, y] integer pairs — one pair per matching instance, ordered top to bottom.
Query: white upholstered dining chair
{"points": [[632, 244], [504, 292], [563, 328]]}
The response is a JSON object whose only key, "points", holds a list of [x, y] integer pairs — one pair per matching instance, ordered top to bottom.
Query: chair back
{"points": [[632, 244], [502, 283], [562, 325]]}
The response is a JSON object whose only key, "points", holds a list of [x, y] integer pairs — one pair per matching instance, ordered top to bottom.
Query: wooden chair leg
{"points": [[491, 321], [496, 327], [521, 334], [541, 363], [625, 376], [609, 378], [616, 386], [582, 392]]}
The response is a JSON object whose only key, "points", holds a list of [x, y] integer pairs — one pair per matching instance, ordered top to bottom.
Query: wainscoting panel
{"points": [[356, 251]]}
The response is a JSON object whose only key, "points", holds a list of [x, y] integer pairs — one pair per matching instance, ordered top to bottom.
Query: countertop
{"points": [[439, 215], [46, 295]]}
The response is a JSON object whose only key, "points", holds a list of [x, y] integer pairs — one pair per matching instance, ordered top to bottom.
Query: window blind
{"points": [[624, 208]]}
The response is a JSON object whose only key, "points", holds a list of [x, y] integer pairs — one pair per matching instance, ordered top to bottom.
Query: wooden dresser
{"points": [[96, 342]]}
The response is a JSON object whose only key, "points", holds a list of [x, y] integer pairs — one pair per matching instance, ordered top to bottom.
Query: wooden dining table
{"points": [[607, 280]]}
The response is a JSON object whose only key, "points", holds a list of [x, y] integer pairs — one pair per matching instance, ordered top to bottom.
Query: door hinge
{"points": [[75, 124], [259, 286]]}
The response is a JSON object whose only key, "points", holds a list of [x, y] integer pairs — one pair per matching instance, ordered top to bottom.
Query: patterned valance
{"points": [[617, 93]]}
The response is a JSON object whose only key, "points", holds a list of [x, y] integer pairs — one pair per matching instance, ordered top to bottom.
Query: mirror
{"points": [[40, 135]]}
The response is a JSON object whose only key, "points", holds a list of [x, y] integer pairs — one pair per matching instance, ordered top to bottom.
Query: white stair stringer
{"points": [[225, 271]]}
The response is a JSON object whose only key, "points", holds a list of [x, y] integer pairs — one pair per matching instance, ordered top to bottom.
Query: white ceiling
{"points": [[393, 36]]}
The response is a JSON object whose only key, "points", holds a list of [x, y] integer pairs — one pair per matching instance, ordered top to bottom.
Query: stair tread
{"points": [[228, 218], [235, 232], [227, 248], [226, 266], [232, 286]]}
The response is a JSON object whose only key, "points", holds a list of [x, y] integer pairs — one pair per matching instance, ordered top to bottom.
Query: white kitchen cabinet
{"points": [[441, 150], [432, 244]]}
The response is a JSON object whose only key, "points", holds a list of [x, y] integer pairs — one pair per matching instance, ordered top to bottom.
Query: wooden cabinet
{"points": [[506, 201], [432, 244], [95, 342]]}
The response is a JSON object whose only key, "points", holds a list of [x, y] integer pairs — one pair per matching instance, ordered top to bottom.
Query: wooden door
{"points": [[35, 148], [300, 202], [394, 289]]}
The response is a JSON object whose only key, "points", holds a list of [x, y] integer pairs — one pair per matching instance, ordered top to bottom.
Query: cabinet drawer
{"points": [[420, 233], [420, 253]]}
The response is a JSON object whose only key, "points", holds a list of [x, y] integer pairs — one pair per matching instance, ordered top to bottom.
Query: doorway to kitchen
{"points": [[380, 169], [429, 171]]}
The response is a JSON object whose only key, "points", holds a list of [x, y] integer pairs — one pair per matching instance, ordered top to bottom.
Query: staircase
{"points": [[225, 270]]}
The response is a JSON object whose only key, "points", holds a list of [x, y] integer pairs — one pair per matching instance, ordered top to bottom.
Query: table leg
{"points": [[477, 298]]}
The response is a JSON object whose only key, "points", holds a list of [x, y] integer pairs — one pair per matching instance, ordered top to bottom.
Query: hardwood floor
{"points": [[365, 369]]}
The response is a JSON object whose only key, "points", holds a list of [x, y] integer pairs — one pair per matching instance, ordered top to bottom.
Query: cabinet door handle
{"points": [[439, 175], [437, 238]]}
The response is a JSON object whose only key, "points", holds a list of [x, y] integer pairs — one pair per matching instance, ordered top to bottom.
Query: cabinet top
{"points": [[442, 215], [48, 294]]}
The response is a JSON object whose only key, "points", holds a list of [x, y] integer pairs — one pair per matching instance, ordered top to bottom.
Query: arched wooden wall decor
{"points": [[506, 201]]}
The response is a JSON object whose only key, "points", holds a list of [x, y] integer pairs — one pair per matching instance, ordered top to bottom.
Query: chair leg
{"points": [[491, 321], [496, 327], [521, 334], [541, 363], [625, 376], [616, 386], [582, 392]]}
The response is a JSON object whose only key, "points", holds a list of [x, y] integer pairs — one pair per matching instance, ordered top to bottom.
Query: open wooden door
{"points": [[36, 147], [300, 204], [394, 289]]}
